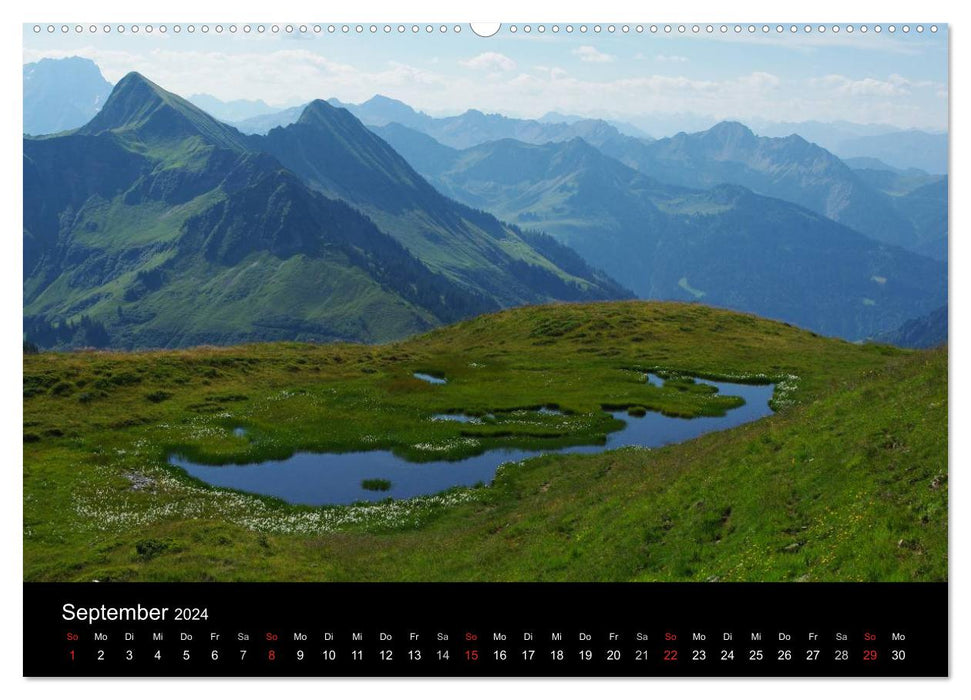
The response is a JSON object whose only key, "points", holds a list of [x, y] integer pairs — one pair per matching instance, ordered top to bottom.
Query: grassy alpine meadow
{"points": [[847, 481]]}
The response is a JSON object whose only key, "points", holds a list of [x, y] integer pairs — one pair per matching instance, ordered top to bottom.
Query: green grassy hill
{"points": [[847, 481]]}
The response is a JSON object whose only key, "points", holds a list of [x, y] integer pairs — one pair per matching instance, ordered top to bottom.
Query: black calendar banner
{"points": [[468, 629]]}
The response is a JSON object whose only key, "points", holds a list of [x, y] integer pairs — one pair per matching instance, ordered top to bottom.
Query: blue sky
{"points": [[897, 79]]}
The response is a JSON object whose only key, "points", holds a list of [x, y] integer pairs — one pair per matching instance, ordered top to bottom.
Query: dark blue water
{"points": [[326, 478]]}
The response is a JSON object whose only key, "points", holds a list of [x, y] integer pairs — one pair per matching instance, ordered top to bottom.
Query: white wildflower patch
{"points": [[785, 388], [447, 445], [506, 466], [386, 514]]}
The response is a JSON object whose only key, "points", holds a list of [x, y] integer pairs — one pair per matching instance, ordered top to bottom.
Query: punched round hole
{"points": [[485, 29]]}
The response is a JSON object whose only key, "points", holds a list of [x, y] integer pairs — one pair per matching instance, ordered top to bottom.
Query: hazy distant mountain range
{"points": [[62, 94], [234, 110], [261, 124], [467, 129], [899, 148], [902, 149], [789, 168], [920, 198], [154, 224], [725, 245], [925, 332]]}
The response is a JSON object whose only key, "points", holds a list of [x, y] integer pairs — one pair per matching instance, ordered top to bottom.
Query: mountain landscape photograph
{"points": [[320, 306]]}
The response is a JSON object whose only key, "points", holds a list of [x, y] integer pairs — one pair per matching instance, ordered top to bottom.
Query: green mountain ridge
{"points": [[141, 112], [336, 155], [152, 202], [170, 229]]}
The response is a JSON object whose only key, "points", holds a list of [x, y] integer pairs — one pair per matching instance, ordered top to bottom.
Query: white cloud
{"points": [[592, 55], [664, 58], [490, 60], [901, 80], [760, 81], [895, 85], [865, 87]]}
